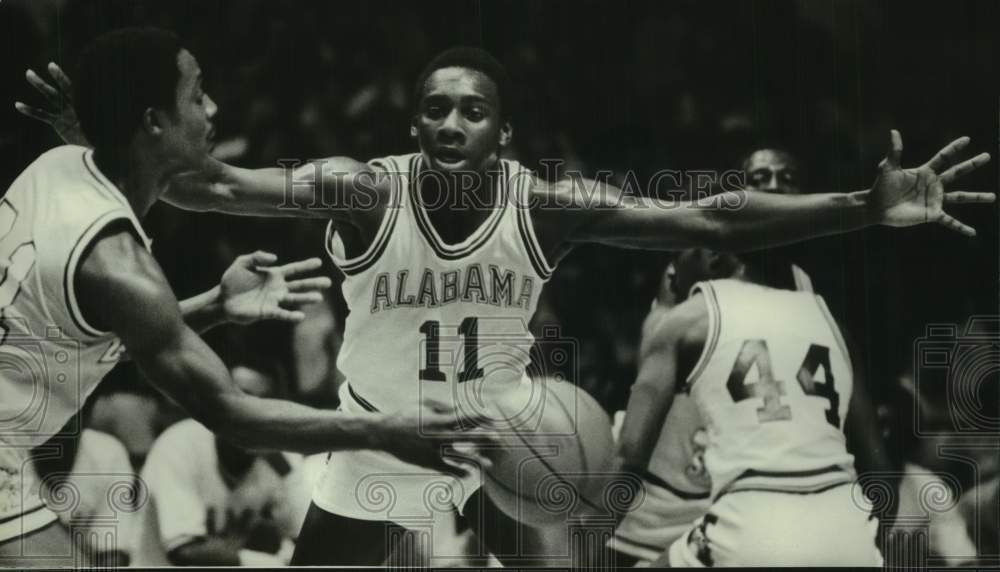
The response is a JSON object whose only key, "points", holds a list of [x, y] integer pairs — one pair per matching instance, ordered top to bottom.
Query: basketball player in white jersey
{"points": [[444, 253], [79, 287], [771, 376], [676, 485]]}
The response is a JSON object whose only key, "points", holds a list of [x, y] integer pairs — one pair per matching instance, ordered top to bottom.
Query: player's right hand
{"points": [[61, 116], [433, 438]]}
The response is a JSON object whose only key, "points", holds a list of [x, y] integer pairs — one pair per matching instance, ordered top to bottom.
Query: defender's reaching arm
{"points": [[580, 210], [123, 290]]}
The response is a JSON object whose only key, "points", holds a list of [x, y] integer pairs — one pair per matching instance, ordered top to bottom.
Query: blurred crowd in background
{"points": [[627, 89]]}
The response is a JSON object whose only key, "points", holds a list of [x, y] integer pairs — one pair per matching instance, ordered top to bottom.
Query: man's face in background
{"points": [[772, 171]]}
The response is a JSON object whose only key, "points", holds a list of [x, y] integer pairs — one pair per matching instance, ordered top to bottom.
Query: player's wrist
{"points": [[859, 208], [215, 306]]}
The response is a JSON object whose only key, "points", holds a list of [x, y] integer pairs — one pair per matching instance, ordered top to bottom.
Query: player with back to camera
{"points": [[447, 248], [80, 287], [771, 376], [677, 487]]}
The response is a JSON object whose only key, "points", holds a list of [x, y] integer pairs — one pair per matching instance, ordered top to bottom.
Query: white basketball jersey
{"points": [[430, 319], [51, 359], [773, 385], [677, 486]]}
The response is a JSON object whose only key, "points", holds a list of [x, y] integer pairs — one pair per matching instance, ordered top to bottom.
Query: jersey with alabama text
{"points": [[435, 320], [51, 358], [772, 384]]}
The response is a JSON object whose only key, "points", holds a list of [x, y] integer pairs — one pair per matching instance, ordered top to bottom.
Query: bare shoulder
{"points": [[369, 189], [116, 254], [119, 278], [684, 326]]}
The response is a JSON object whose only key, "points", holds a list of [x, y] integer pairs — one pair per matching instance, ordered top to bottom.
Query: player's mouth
{"points": [[449, 156]]}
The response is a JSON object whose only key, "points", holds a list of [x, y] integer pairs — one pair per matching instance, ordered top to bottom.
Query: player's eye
{"points": [[434, 111], [476, 114], [789, 176], [759, 177]]}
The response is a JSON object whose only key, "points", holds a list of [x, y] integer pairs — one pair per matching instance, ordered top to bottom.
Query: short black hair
{"points": [[476, 59], [119, 76], [771, 267]]}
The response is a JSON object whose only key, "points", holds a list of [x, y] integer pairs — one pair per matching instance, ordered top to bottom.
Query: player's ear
{"points": [[152, 122], [413, 130], [506, 134], [720, 264]]}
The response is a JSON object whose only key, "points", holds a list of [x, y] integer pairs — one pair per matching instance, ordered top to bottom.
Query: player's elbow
{"points": [[220, 411]]}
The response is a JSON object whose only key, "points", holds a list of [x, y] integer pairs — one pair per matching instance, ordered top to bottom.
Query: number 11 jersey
{"points": [[435, 320], [773, 385]]}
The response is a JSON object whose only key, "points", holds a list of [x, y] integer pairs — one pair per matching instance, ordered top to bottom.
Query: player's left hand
{"points": [[60, 115], [907, 197], [253, 289]]}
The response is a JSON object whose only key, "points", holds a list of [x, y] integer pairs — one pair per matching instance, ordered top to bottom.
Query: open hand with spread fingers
{"points": [[60, 115], [907, 197], [253, 289]]}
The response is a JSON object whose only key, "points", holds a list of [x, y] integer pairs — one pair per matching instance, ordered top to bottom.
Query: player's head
{"points": [[139, 86], [462, 115], [772, 170], [771, 267]]}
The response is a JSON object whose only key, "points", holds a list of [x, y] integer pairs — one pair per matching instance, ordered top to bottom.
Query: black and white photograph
{"points": [[562, 284]]}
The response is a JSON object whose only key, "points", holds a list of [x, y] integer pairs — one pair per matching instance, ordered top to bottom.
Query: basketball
{"points": [[557, 451]]}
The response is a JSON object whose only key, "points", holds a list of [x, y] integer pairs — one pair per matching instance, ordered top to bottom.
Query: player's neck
{"points": [[141, 178], [457, 201]]}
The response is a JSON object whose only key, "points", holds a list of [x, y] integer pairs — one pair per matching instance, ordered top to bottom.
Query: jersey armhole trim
{"points": [[526, 228], [73, 263], [360, 263], [714, 326], [837, 334]]}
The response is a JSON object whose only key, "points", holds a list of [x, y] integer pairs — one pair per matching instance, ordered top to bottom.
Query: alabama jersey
{"points": [[443, 319], [430, 320], [773, 392]]}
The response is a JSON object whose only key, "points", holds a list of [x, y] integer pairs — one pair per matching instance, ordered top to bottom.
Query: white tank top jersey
{"points": [[434, 320], [51, 359], [773, 385]]}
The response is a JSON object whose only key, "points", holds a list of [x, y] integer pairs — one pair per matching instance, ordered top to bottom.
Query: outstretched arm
{"points": [[333, 187], [325, 188], [585, 211], [122, 289]]}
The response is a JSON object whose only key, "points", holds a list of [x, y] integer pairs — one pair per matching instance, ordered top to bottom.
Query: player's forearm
{"points": [[313, 190], [752, 220], [731, 221], [204, 311], [188, 371], [644, 417], [286, 426]]}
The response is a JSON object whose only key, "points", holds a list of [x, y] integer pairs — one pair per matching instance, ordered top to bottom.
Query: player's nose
{"points": [[210, 107], [451, 127]]}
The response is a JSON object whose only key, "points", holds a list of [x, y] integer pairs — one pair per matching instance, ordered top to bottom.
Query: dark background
{"points": [[624, 86]]}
